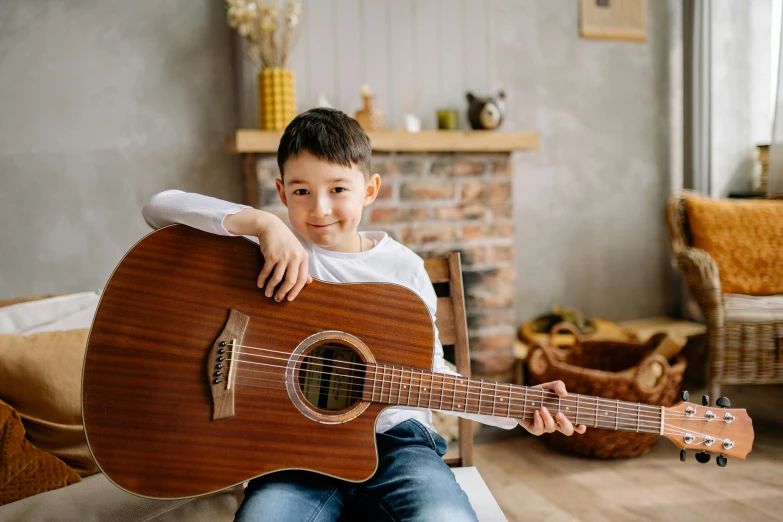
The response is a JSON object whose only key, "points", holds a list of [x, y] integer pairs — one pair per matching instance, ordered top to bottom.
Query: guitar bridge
{"points": [[222, 360]]}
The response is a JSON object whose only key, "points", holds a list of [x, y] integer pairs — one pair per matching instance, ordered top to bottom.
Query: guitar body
{"points": [[147, 403]]}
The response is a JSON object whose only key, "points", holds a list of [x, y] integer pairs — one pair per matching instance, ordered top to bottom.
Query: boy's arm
{"points": [[195, 210], [285, 259]]}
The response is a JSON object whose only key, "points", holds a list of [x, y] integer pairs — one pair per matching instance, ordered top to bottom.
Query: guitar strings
{"points": [[364, 366], [470, 387], [479, 402], [623, 418], [623, 422], [631, 425], [668, 429]]}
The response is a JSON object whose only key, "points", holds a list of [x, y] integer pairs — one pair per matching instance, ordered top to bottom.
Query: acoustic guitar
{"points": [[194, 381]]}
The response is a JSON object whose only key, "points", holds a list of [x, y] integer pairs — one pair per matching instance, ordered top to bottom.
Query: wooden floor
{"points": [[531, 482]]}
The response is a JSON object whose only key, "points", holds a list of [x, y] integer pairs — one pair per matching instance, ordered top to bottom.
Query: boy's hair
{"points": [[329, 135]]}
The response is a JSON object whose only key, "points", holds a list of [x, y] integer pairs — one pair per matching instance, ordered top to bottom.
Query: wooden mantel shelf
{"points": [[251, 140]]}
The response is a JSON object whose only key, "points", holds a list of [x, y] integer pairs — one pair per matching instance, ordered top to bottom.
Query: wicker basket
{"points": [[625, 368]]}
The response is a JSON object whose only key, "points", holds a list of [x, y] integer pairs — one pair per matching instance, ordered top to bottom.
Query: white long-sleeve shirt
{"points": [[388, 262]]}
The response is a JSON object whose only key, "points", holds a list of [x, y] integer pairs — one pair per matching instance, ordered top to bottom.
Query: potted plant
{"points": [[269, 39]]}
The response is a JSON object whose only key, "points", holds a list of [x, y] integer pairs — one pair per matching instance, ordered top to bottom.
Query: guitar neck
{"points": [[439, 391]]}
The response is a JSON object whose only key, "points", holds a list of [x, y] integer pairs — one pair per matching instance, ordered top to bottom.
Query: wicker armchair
{"points": [[745, 332]]}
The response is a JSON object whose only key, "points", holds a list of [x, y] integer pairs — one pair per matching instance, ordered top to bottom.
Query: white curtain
{"points": [[775, 180]]}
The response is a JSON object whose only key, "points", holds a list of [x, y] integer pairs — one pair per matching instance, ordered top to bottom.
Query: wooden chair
{"points": [[453, 330]]}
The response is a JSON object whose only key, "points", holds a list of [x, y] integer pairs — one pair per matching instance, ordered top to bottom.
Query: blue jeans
{"points": [[412, 483]]}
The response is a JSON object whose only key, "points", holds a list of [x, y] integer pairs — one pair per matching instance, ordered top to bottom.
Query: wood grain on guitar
{"points": [[301, 383]]}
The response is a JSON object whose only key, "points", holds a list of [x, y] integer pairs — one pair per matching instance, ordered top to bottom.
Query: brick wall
{"points": [[440, 203]]}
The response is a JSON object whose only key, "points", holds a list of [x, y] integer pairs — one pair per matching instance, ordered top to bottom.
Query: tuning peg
{"points": [[684, 396], [705, 400], [723, 402], [682, 455], [703, 457], [722, 461]]}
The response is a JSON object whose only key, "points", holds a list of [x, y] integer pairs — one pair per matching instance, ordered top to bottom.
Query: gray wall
{"points": [[104, 103], [107, 104], [589, 204]]}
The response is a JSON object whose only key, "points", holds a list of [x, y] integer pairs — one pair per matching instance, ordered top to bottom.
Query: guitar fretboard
{"points": [[438, 391]]}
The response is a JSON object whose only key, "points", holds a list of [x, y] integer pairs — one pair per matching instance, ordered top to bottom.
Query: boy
{"points": [[326, 181]]}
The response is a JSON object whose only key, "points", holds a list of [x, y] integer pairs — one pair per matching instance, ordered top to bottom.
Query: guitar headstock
{"points": [[717, 429]]}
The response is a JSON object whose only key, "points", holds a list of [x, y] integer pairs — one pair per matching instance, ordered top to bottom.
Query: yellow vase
{"points": [[276, 98]]}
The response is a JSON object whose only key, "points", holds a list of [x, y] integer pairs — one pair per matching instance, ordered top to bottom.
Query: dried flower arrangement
{"points": [[258, 23]]}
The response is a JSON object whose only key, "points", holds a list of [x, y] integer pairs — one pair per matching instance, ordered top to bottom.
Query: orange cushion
{"points": [[745, 238], [41, 377], [24, 469]]}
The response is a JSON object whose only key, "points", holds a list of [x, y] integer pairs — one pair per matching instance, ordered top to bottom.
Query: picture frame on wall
{"points": [[613, 19]]}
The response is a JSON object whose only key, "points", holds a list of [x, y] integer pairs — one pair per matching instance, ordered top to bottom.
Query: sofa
{"points": [[730, 254]]}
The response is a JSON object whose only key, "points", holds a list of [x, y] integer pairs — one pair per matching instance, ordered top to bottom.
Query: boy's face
{"points": [[325, 201]]}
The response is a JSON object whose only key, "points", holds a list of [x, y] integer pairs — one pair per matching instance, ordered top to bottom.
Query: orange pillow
{"points": [[745, 238], [41, 377], [24, 469]]}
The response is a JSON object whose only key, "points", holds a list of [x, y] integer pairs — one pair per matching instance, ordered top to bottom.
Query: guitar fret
{"points": [[374, 378], [383, 381], [391, 385], [468, 386], [410, 387], [399, 389], [442, 389], [429, 393], [454, 393], [481, 393], [418, 397], [429, 399], [494, 399], [541, 400], [524, 405], [508, 413], [616, 414], [638, 415], [576, 420]]}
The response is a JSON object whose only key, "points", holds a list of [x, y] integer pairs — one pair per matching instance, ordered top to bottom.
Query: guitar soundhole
{"points": [[331, 377]]}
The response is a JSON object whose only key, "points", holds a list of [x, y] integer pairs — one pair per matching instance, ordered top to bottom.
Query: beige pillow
{"points": [[41, 377], [26, 470]]}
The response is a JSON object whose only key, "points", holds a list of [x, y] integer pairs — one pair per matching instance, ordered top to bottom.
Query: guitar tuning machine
{"points": [[684, 396], [705, 400], [723, 402], [682, 455], [703, 457], [722, 461]]}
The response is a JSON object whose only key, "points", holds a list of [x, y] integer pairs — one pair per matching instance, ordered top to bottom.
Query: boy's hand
{"points": [[285, 259], [543, 422]]}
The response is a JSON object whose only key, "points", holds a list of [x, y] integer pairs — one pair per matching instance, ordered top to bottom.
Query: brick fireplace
{"points": [[436, 202]]}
